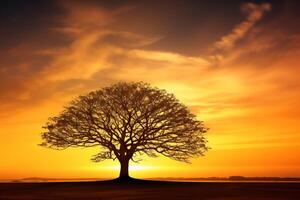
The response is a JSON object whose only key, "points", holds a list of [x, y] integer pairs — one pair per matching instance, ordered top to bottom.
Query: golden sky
{"points": [[235, 65]]}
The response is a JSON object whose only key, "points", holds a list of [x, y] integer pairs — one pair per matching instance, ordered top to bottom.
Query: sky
{"points": [[235, 64]]}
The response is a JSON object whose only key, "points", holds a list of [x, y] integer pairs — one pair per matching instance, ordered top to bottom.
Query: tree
{"points": [[127, 120]]}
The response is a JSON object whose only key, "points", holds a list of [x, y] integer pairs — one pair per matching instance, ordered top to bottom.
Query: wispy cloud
{"points": [[254, 13]]}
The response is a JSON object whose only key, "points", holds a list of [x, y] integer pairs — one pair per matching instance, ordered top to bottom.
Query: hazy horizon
{"points": [[176, 179]]}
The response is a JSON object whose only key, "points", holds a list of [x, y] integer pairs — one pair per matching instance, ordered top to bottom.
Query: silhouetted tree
{"points": [[127, 120]]}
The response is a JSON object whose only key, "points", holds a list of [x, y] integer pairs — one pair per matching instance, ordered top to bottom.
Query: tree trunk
{"points": [[124, 169]]}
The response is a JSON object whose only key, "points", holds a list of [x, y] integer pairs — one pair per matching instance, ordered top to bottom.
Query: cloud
{"points": [[254, 12], [85, 16], [96, 53], [99, 54], [172, 58]]}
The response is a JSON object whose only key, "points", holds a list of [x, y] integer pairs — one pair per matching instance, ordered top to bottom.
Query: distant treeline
{"points": [[234, 178], [237, 178]]}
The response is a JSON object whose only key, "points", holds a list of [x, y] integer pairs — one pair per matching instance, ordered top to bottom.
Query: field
{"points": [[149, 190]]}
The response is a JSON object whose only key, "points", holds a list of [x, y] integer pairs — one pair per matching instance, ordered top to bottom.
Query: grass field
{"points": [[139, 189]]}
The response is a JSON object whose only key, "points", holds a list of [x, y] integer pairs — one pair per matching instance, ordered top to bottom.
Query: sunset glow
{"points": [[236, 67]]}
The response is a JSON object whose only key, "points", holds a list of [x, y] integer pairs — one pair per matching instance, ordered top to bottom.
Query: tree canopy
{"points": [[127, 120]]}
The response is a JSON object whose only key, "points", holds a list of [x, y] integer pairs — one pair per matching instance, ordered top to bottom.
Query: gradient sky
{"points": [[235, 64]]}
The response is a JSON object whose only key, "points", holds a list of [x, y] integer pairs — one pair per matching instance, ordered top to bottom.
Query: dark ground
{"points": [[149, 190]]}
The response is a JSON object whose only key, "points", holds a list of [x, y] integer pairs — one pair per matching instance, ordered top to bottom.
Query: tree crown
{"points": [[126, 120]]}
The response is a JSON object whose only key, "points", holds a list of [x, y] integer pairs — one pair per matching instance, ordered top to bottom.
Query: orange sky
{"points": [[239, 75]]}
